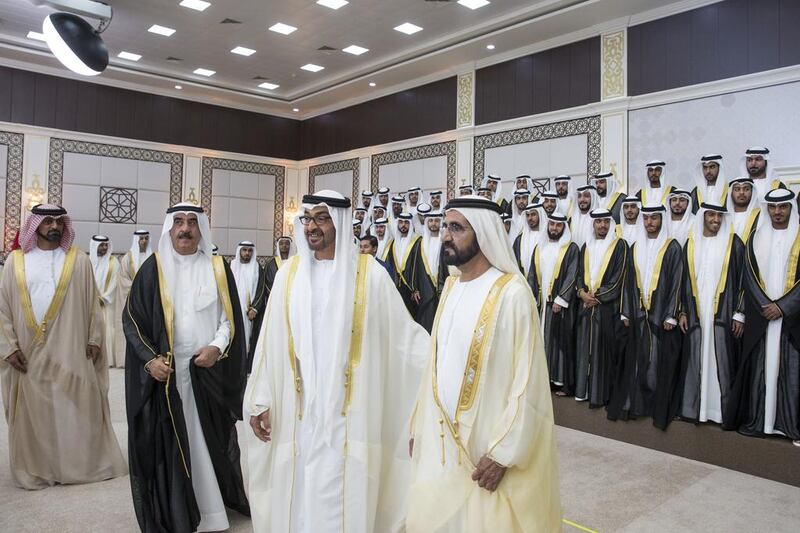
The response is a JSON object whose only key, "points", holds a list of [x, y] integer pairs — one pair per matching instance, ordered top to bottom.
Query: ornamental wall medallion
{"points": [[118, 205]]}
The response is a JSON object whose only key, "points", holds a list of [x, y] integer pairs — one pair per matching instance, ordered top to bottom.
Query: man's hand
{"points": [[416, 297], [588, 299], [556, 308], [771, 311], [251, 314], [626, 321], [683, 322], [668, 326], [737, 328], [92, 352], [207, 357], [18, 361], [159, 369], [262, 427], [411, 447], [488, 474]]}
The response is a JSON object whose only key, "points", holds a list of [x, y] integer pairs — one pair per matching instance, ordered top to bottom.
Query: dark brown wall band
{"points": [[718, 41]]}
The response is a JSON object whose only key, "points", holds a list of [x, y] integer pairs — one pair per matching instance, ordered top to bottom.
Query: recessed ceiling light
{"points": [[333, 4], [474, 4], [197, 5], [280, 27], [408, 28], [161, 30], [36, 36], [490, 47], [355, 50], [242, 51], [129, 56], [311, 67], [204, 72], [372, 84], [269, 86], [179, 87], [295, 110]]}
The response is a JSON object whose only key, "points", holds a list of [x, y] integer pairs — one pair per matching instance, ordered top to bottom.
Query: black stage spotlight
{"points": [[75, 43]]}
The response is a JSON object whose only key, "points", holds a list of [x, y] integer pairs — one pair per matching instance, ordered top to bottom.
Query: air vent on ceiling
{"points": [[230, 21], [326, 48], [174, 59]]}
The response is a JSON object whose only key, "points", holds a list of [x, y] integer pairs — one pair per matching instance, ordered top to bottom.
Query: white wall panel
{"points": [[682, 132], [539, 159], [3, 172], [429, 173], [341, 182], [242, 208]]}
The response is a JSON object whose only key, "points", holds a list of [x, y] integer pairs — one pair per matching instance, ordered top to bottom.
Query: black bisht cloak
{"points": [[266, 277], [413, 277], [559, 328], [601, 336], [726, 347], [746, 408], [158, 447]]}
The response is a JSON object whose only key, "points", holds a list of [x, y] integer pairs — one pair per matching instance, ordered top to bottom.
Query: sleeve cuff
{"points": [[562, 302], [623, 317], [738, 317], [672, 321], [221, 343], [259, 409]]}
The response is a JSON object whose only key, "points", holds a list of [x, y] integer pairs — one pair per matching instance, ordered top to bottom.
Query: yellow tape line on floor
{"points": [[578, 526]]}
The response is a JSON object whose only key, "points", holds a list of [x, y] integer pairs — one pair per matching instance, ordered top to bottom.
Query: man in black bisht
{"points": [[712, 315], [601, 333], [184, 381], [648, 384]]}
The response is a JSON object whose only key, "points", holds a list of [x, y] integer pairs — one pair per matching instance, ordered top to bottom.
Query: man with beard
{"points": [[755, 164], [523, 182], [493, 183], [711, 184], [563, 185], [465, 190], [655, 190], [485, 192], [608, 197], [522, 198], [366, 199], [413, 199], [436, 200], [549, 201], [398, 202], [743, 207], [423, 210], [360, 213], [631, 213], [681, 217], [582, 222], [356, 231], [531, 235], [431, 249], [284, 250], [128, 267], [246, 272], [106, 276], [552, 280], [712, 315], [601, 334], [54, 376], [650, 378], [184, 379], [768, 383], [332, 388], [482, 435]]}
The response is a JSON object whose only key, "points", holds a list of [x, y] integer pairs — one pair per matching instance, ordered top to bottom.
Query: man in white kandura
{"points": [[129, 265], [245, 270], [106, 277], [54, 375], [332, 387], [482, 435]]}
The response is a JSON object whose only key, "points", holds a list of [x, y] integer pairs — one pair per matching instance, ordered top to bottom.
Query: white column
{"points": [[614, 85], [192, 170]]}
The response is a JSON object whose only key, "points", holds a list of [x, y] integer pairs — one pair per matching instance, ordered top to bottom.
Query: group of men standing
{"points": [[673, 303]]}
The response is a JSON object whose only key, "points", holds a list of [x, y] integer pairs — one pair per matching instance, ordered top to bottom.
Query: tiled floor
{"points": [[605, 486]]}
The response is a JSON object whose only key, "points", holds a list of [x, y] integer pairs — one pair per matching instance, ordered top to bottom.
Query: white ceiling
{"points": [[453, 36]]}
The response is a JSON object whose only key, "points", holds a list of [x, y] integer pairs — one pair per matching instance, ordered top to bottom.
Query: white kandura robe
{"points": [[629, 232], [548, 256], [42, 271], [774, 274], [247, 287], [112, 310], [199, 321], [302, 481]]}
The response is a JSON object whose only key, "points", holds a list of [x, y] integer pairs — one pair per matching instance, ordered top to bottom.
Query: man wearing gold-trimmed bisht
{"points": [[335, 373], [54, 375], [184, 377], [483, 441]]}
